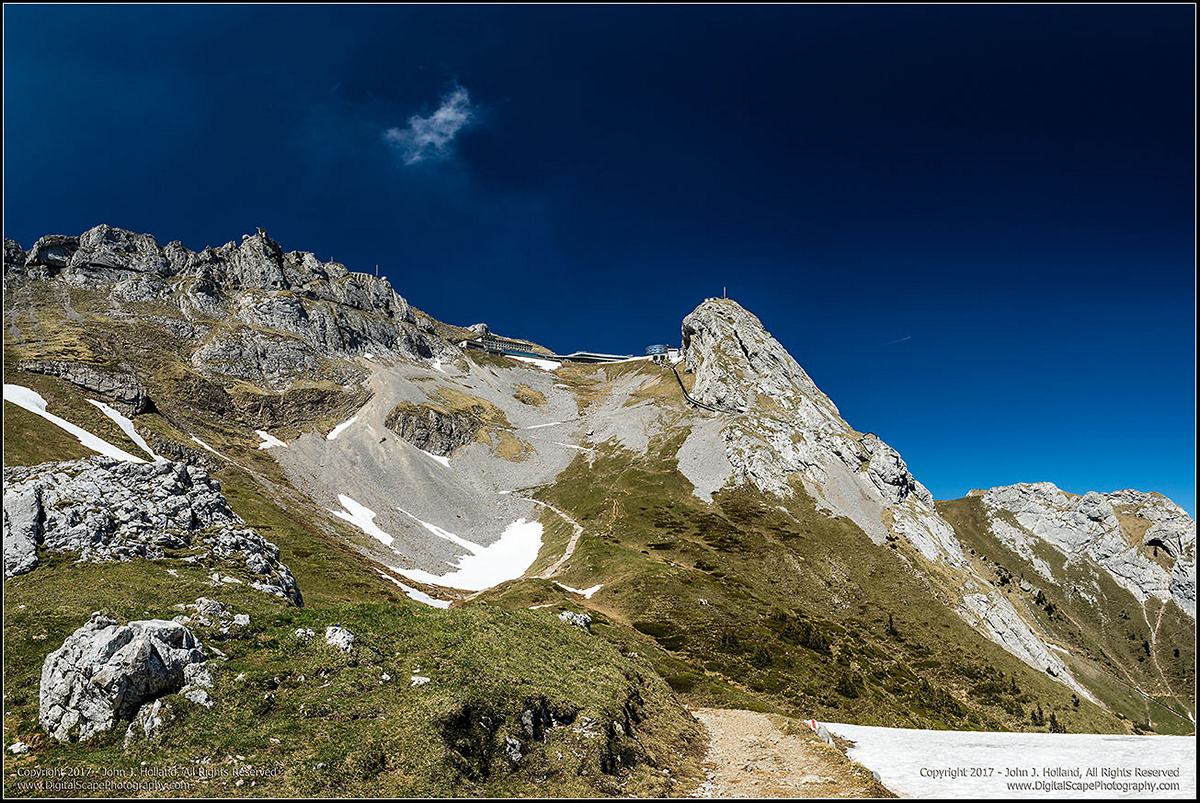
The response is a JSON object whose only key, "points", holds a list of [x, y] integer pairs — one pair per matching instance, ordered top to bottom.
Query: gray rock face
{"points": [[291, 309], [124, 390], [431, 429], [790, 429], [109, 510], [1090, 526], [22, 530], [581, 620], [1002, 623], [340, 637], [104, 672], [149, 721]]}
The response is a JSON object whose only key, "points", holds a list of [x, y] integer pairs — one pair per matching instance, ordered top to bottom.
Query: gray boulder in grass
{"points": [[104, 672]]}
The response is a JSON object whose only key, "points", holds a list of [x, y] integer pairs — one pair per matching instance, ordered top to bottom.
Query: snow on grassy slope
{"points": [[32, 401], [127, 427], [268, 440], [209, 448], [361, 517], [506, 559], [413, 593], [586, 593], [968, 764]]}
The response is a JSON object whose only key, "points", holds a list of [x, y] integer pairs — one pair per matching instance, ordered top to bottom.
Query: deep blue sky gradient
{"points": [[1010, 188]]}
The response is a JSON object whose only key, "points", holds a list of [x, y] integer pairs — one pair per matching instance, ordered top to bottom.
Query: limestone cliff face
{"points": [[255, 312], [784, 426], [1121, 532]]}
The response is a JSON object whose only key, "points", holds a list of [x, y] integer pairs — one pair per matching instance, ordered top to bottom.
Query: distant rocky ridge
{"points": [[292, 311], [108, 510], [1091, 526]]}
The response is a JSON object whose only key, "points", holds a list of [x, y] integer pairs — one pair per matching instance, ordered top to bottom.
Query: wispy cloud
{"points": [[430, 137], [901, 340]]}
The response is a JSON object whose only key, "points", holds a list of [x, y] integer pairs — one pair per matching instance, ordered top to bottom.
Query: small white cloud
{"points": [[430, 137]]}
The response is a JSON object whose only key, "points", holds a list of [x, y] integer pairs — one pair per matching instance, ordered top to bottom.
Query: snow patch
{"points": [[437, 365], [547, 365], [32, 401], [539, 426], [127, 427], [340, 428], [268, 439], [206, 446], [573, 446], [445, 461], [361, 517], [506, 559], [413, 593], [586, 593], [903, 758]]}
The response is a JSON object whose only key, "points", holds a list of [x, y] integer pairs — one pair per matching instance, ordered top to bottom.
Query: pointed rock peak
{"points": [[736, 360]]}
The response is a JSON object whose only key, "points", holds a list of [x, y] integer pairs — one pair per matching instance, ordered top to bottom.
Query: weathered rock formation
{"points": [[291, 310], [123, 389], [788, 428], [435, 431], [108, 510], [1118, 531], [104, 672]]}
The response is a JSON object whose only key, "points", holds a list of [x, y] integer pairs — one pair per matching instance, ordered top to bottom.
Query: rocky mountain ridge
{"points": [[252, 311], [756, 547]]}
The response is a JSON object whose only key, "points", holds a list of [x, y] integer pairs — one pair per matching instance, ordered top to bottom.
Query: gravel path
{"points": [[755, 755]]}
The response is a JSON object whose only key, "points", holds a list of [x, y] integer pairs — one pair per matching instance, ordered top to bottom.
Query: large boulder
{"points": [[104, 672]]}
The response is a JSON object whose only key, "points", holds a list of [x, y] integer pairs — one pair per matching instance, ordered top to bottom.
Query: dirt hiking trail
{"points": [[754, 755]]}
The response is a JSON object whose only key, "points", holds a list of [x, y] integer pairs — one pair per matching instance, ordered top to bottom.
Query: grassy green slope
{"points": [[743, 603]]}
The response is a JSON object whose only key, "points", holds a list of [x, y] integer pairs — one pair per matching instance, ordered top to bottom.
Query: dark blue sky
{"points": [[1008, 191]]}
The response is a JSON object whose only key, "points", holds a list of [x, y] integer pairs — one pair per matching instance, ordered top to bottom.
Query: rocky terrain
{"points": [[103, 510], [1113, 530], [524, 572]]}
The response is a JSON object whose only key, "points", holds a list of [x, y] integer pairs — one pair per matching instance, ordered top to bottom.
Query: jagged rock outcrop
{"points": [[292, 311], [123, 389], [788, 428], [432, 430], [107, 510], [1091, 525], [1001, 622], [104, 672]]}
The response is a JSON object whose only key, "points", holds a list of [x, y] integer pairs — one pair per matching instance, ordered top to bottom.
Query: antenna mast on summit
{"points": [[376, 271], [723, 295]]}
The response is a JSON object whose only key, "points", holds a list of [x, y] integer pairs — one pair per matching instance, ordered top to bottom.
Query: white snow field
{"points": [[545, 365], [32, 401], [127, 427], [339, 429], [268, 440], [361, 517], [506, 559], [968, 764]]}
